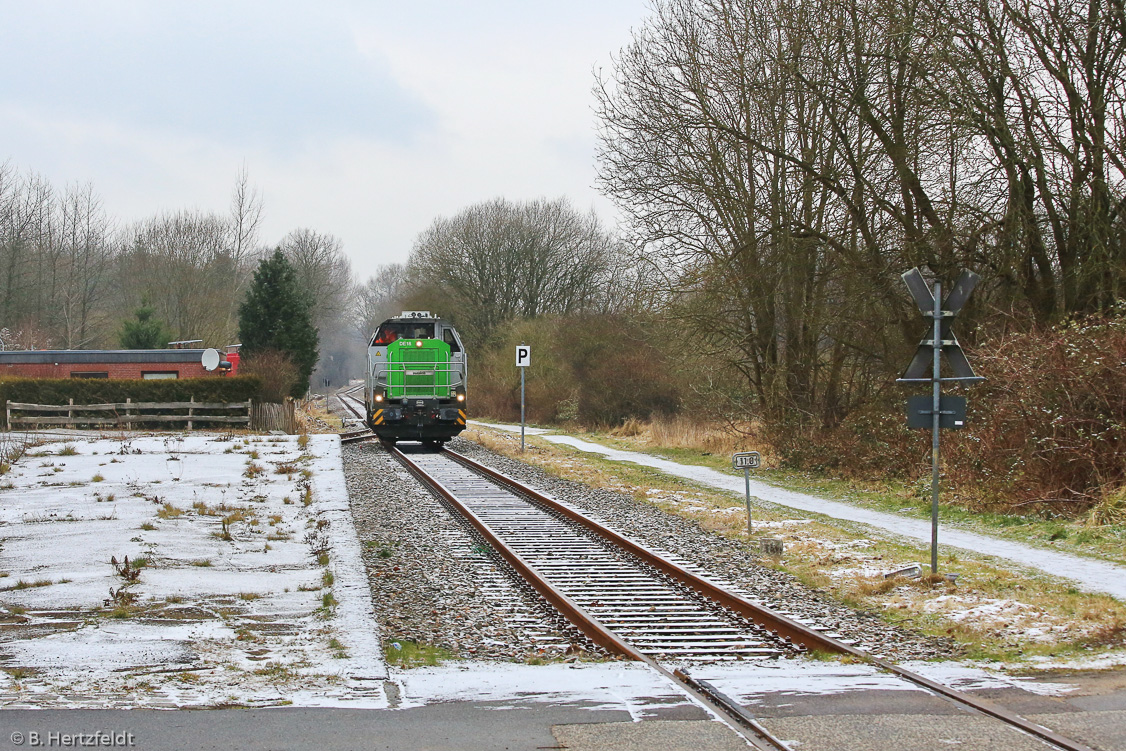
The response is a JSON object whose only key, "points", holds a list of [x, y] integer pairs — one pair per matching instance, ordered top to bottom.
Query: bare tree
{"points": [[1042, 83], [711, 148], [782, 164], [26, 206], [246, 217], [85, 246], [499, 260], [183, 263], [323, 269], [326, 273], [69, 277], [380, 297]]}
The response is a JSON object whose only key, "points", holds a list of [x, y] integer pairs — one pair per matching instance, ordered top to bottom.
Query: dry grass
{"points": [[312, 417], [686, 433], [689, 434], [203, 509], [1110, 510], [168, 511], [237, 515]]}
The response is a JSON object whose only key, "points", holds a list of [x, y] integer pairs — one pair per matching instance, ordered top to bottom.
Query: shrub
{"points": [[275, 370], [595, 370], [99, 391], [1049, 426], [1046, 431]]}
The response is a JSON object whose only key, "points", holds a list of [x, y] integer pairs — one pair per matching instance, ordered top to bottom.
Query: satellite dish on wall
{"points": [[210, 359]]}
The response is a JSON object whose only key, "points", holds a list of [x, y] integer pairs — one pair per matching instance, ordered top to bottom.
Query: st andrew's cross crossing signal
{"points": [[923, 362], [940, 412]]}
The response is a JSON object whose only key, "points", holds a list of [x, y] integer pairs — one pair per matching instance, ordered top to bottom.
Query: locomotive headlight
{"points": [[418, 343], [379, 397], [461, 397]]}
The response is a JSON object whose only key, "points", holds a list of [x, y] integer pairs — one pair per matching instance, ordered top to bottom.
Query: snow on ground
{"points": [[1087, 573], [252, 590], [753, 682], [616, 686]]}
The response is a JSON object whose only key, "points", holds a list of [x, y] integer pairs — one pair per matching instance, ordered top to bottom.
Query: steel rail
{"points": [[346, 401], [357, 435], [365, 435], [787, 628], [718, 703]]}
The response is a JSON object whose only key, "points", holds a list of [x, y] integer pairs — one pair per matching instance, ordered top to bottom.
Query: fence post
{"points": [[191, 412], [128, 413], [70, 414], [9, 416]]}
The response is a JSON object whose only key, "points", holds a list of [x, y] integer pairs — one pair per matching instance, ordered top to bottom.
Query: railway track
{"points": [[354, 405], [638, 605], [657, 616]]}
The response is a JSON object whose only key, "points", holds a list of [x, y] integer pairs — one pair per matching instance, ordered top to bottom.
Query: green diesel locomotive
{"points": [[416, 380]]}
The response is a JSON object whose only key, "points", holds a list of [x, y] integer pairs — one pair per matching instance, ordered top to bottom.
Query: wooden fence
{"points": [[129, 413], [274, 416]]}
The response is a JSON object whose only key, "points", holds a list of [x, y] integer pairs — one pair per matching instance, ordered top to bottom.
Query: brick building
{"points": [[114, 363]]}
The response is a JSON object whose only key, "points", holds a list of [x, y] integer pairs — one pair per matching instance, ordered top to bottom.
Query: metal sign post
{"points": [[523, 360], [936, 411], [944, 412], [747, 461]]}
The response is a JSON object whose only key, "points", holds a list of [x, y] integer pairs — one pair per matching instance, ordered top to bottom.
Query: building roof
{"points": [[97, 356]]}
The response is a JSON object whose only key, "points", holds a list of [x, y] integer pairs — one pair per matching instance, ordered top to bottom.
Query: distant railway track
{"points": [[356, 407], [638, 605]]}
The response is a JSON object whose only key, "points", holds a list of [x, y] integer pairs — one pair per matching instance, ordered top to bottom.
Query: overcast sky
{"points": [[365, 120]]}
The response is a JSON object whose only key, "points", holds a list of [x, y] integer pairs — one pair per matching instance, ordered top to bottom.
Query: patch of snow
{"points": [[510, 428], [780, 524], [226, 611], [354, 614], [1101, 662], [968, 677], [751, 683], [629, 686]]}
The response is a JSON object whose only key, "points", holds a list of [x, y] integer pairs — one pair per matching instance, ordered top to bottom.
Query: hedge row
{"points": [[101, 391], [1046, 431]]}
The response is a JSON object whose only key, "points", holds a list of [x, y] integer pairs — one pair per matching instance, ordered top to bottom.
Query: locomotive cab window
{"points": [[389, 332], [449, 338]]}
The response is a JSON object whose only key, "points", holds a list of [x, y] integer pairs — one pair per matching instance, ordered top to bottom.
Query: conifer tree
{"points": [[277, 315], [146, 332]]}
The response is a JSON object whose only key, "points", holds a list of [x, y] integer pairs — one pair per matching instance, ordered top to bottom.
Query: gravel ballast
{"points": [[720, 559], [434, 582]]}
